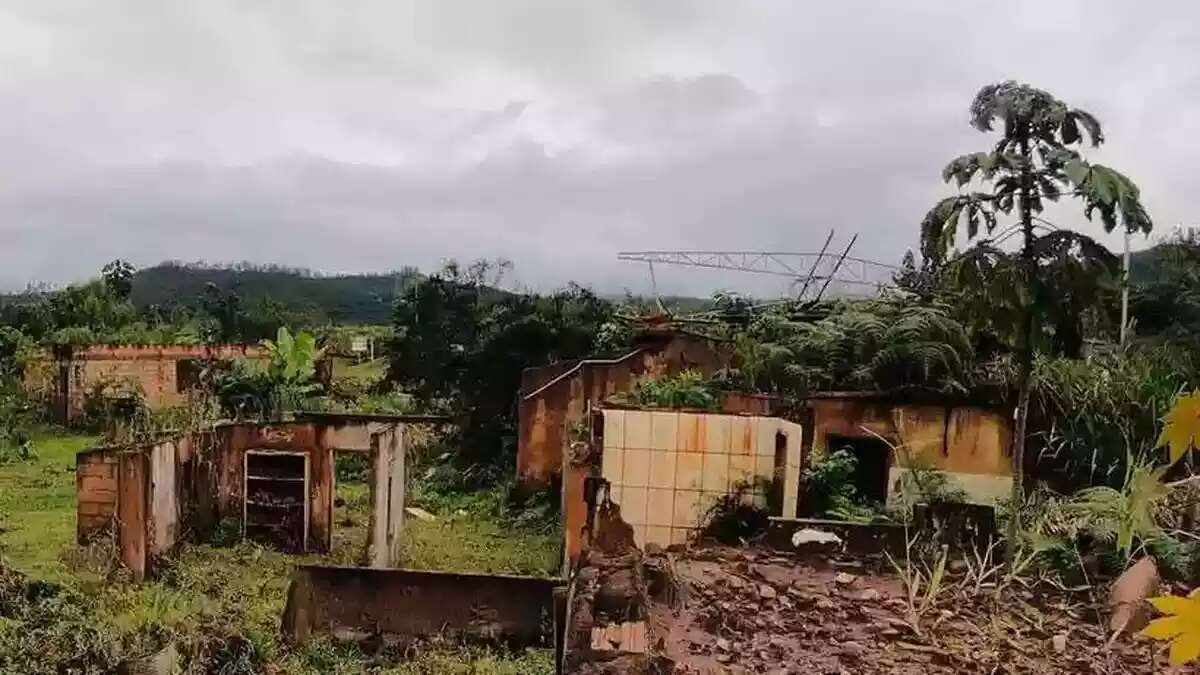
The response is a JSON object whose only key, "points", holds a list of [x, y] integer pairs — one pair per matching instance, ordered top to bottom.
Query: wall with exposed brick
{"points": [[66, 377], [95, 492]]}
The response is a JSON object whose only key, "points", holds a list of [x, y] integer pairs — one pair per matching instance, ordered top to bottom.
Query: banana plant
{"points": [[292, 359]]}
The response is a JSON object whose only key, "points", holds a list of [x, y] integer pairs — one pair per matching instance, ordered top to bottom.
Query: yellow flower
{"points": [[1181, 427], [1181, 626]]}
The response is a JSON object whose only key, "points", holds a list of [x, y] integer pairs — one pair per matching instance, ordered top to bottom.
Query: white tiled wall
{"points": [[666, 469]]}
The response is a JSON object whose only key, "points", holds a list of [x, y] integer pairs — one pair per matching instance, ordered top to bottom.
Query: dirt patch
{"points": [[757, 611]]}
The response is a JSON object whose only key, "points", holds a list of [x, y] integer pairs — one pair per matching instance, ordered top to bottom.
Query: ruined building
{"points": [[66, 375]]}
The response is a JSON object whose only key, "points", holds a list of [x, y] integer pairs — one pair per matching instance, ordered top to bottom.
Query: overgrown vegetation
{"points": [[886, 344], [460, 346], [688, 389], [738, 517], [66, 609]]}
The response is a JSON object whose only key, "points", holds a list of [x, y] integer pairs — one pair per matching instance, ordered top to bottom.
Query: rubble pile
{"points": [[757, 611]]}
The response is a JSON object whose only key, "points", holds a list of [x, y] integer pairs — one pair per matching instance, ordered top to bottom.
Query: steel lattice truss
{"points": [[810, 272]]}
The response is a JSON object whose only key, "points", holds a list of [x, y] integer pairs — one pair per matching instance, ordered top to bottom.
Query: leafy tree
{"points": [[1033, 162], [118, 278], [922, 282], [1166, 303], [225, 309], [887, 344], [460, 345], [250, 388]]}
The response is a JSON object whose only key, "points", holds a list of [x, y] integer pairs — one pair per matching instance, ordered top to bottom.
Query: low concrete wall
{"points": [[354, 603]]}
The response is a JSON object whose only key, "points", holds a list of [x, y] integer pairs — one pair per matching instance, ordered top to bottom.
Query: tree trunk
{"points": [[1024, 354]]}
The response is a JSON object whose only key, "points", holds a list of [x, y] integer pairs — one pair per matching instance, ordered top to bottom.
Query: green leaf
{"points": [[1090, 124], [1077, 171]]}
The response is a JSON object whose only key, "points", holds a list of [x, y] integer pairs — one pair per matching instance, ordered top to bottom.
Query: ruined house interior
{"points": [[275, 481], [633, 484]]}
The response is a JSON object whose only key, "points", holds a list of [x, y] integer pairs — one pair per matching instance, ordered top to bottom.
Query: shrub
{"points": [[688, 389], [112, 402], [1090, 413], [18, 416], [829, 484], [734, 519], [46, 630]]}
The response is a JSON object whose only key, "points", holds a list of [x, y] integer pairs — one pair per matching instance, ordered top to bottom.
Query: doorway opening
{"points": [[873, 459], [274, 503], [351, 507]]}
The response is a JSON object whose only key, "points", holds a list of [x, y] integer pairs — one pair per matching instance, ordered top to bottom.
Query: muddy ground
{"points": [[757, 611]]}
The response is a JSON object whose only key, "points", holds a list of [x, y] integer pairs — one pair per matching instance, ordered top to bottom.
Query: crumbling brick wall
{"points": [[67, 375], [608, 629]]}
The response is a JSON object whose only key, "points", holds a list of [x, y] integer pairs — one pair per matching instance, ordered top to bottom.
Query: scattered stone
{"points": [[810, 541], [844, 579], [766, 592], [869, 595], [825, 603], [1060, 643], [723, 644], [851, 650]]}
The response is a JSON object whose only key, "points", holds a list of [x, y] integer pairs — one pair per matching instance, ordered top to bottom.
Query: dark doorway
{"points": [[873, 459]]}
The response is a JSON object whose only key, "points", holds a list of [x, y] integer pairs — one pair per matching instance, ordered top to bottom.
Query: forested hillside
{"points": [[342, 299]]}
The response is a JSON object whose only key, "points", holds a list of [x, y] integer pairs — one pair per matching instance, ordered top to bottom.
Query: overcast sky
{"points": [[364, 136]]}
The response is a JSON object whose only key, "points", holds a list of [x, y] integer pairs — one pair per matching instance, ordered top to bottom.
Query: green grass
{"points": [[367, 372], [37, 507], [470, 543], [208, 593]]}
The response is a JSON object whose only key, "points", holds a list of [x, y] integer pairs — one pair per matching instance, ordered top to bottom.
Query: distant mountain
{"points": [[1144, 264], [342, 299]]}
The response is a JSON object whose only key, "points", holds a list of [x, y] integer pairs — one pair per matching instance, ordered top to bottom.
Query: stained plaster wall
{"points": [[557, 396], [972, 446], [667, 468]]}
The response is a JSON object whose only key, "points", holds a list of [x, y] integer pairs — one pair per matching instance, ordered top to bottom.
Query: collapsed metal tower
{"points": [[812, 274]]}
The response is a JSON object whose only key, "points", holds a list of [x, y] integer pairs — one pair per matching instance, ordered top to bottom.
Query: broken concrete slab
{"points": [[357, 603]]}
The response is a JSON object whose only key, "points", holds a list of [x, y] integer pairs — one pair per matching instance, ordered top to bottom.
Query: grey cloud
{"points": [[366, 136]]}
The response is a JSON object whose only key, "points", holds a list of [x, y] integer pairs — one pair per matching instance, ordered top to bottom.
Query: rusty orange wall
{"points": [[545, 420], [953, 439], [231, 444]]}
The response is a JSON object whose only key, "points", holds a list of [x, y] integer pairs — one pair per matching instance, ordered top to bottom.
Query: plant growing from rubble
{"points": [[1033, 163], [735, 518], [924, 581]]}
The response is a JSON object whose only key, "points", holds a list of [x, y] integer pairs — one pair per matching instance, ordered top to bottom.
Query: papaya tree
{"points": [[1002, 194]]}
